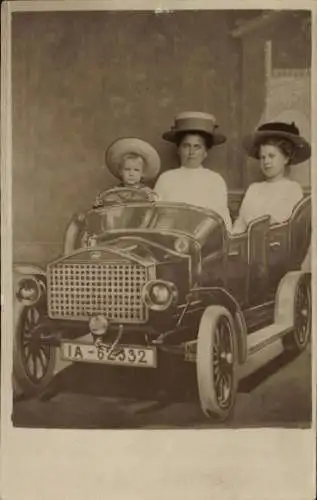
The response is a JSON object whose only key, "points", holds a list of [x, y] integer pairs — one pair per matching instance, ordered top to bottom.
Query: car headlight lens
{"points": [[181, 245], [29, 290], [159, 295]]}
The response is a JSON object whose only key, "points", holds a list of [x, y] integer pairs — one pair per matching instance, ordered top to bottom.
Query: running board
{"points": [[263, 338], [263, 346]]}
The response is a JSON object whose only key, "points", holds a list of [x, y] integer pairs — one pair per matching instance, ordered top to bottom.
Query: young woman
{"points": [[277, 145]]}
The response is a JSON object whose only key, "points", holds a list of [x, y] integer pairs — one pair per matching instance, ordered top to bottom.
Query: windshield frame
{"points": [[205, 215]]}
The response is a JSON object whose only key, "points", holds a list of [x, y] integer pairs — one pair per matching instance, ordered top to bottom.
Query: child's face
{"points": [[132, 171]]}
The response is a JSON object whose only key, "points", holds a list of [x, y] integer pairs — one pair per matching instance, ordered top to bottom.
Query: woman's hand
{"points": [[239, 226]]}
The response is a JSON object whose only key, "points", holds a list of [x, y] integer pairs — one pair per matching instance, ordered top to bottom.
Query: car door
{"points": [[300, 232], [278, 252], [237, 267], [257, 272]]}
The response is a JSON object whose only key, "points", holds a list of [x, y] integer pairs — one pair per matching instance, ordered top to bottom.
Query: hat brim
{"points": [[173, 136], [123, 146], [302, 148]]}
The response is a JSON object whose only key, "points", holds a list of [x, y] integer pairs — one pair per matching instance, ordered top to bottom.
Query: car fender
{"points": [[27, 269], [220, 296], [284, 299]]}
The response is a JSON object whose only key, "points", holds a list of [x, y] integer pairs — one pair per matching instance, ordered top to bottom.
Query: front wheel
{"points": [[33, 360], [217, 363]]}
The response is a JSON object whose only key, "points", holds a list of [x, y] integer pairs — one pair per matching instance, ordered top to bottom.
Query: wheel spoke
{"points": [[35, 315], [30, 316], [27, 322], [221, 331], [302, 332], [223, 335], [226, 337], [46, 349], [27, 357], [43, 361], [42, 364], [38, 368], [34, 371], [217, 376], [228, 379], [218, 389], [223, 389]]}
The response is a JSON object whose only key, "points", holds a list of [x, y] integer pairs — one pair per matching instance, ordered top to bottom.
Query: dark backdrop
{"points": [[82, 79]]}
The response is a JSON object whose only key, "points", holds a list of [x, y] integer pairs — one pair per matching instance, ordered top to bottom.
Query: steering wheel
{"points": [[121, 196]]}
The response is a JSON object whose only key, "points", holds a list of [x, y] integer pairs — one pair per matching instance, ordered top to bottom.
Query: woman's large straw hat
{"points": [[194, 121], [278, 130], [132, 145]]}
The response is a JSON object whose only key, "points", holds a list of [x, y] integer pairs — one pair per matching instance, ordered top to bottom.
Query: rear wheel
{"points": [[296, 341], [33, 360], [217, 363]]}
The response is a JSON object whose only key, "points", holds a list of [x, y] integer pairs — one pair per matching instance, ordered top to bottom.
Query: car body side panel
{"points": [[300, 232], [237, 268]]}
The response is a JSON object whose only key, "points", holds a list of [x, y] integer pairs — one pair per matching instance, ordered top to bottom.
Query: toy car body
{"points": [[142, 281]]}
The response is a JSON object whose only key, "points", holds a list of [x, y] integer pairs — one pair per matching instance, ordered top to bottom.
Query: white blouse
{"points": [[197, 186], [277, 199]]}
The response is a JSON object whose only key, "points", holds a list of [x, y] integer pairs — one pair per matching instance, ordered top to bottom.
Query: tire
{"points": [[297, 340], [33, 362], [217, 362]]}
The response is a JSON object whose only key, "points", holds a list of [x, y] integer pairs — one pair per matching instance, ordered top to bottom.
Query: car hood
{"points": [[125, 248], [141, 250]]}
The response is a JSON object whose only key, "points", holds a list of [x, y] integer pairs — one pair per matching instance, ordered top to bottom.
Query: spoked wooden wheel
{"points": [[299, 337], [33, 360], [217, 363]]}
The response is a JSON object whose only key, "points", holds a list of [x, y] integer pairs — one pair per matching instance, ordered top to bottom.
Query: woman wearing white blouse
{"points": [[194, 133], [277, 145]]}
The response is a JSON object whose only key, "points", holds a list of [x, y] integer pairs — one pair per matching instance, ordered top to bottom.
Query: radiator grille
{"points": [[78, 290]]}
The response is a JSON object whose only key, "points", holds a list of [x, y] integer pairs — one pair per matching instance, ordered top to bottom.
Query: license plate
{"points": [[121, 355]]}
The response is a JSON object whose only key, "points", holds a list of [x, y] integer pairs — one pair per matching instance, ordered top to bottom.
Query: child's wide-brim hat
{"points": [[194, 122], [278, 130], [132, 145]]}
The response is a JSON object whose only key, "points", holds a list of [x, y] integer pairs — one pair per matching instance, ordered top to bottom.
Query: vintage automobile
{"points": [[140, 281]]}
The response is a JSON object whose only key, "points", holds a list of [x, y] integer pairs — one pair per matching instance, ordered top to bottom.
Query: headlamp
{"points": [[29, 290], [159, 295]]}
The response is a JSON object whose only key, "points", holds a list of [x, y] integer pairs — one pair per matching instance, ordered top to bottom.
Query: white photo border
{"points": [[42, 464]]}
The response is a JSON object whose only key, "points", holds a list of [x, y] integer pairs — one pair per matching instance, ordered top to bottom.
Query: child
{"points": [[134, 162]]}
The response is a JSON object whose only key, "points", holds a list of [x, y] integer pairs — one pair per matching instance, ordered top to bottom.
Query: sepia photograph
{"points": [[159, 194], [161, 219]]}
